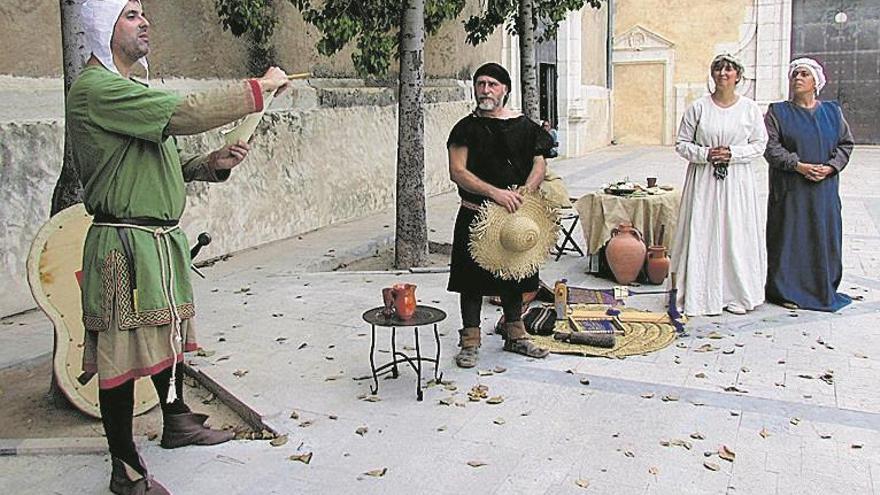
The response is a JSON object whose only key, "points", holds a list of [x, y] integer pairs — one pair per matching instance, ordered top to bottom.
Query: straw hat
{"points": [[513, 245]]}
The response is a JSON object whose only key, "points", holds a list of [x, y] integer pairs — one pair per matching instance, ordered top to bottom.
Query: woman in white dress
{"points": [[719, 255]]}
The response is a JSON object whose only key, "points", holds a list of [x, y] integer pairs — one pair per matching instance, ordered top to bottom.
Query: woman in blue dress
{"points": [[809, 144]]}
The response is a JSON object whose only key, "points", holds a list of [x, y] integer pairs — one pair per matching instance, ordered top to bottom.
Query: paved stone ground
{"points": [[260, 307]]}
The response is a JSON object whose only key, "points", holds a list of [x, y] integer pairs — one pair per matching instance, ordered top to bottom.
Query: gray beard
{"points": [[487, 105]]}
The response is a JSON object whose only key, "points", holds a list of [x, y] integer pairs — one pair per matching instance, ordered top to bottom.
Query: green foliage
{"points": [[498, 12], [256, 20], [374, 25]]}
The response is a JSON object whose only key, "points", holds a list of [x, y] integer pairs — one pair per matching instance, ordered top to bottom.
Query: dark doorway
{"points": [[844, 36], [545, 59], [547, 85]]}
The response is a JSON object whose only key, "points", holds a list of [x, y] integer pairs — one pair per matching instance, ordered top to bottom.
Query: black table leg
{"points": [[418, 365], [394, 372], [437, 378], [375, 388]]}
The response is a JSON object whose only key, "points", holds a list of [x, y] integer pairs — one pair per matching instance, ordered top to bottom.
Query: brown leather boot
{"points": [[517, 340], [469, 341], [189, 429], [125, 480]]}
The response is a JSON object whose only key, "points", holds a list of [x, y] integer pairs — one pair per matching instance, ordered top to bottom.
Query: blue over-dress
{"points": [[804, 227]]}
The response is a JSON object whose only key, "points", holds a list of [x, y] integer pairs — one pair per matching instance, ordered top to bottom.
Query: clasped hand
{"points": [[719, 155], [814, 172], [511, 200]]}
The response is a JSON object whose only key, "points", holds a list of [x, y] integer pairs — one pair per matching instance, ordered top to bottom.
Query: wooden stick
{"points": [[301, 75]]}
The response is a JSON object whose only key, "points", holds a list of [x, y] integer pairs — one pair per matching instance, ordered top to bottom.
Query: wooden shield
{"points": [[53, 268]]}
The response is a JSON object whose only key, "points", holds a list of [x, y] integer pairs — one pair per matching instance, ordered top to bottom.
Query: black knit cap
{"points": [[494, 71]]}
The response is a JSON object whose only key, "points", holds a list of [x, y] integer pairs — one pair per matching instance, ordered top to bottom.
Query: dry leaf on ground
{"points": [[499, 369], [240, 373], [485, 373], [700, 375], [585, 381], [735, 390], [648, 395], [372, 398], [670, 398], [495, 400], [447, 401], [294, 415], [499, 421], [795, 421], [306, 423], [362, 430], [764, 433], [697, 436], [278, 441], [628, 453], [725, 453], [303, 458], [476, 464], [711, 466], [653, 470], [377, 473], [582, 483]]}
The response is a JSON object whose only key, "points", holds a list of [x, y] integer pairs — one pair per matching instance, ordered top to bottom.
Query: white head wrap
{"points": [[99, 19], [811, 65], [741, 82]]}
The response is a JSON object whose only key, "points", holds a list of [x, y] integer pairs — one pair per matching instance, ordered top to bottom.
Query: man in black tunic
{"points": [[492, 152]]}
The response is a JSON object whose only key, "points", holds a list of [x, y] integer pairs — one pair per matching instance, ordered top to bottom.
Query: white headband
{"points": [[99, 18], [811, 65]]}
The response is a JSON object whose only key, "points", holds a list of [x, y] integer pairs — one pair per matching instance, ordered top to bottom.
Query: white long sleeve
{"points": [[757, 141], [685, 144]]}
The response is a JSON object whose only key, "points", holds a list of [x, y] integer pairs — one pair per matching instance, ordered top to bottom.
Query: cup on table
{"points": [[652, 181]]}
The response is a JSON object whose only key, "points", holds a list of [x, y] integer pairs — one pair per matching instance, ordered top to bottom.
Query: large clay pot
{"points": [[625, 253], [657, 264]]}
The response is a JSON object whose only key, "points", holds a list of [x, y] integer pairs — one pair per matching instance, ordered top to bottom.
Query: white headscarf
{"points": [[99, 19], [737, 64], [811, 65]]}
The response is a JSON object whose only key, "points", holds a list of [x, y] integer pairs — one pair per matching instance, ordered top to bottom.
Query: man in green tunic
{"points": [[136, 292]]}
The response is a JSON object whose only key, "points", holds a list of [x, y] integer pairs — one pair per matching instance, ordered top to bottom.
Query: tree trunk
{"points": [[528, 70], [68, 190], [411, 243]]}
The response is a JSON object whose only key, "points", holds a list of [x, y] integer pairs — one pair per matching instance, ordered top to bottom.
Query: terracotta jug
{"points": [[626, 253], [657, 264], [404, 300]]}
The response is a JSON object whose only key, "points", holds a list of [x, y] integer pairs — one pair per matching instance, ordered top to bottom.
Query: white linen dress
{"points": [[719, 255]]}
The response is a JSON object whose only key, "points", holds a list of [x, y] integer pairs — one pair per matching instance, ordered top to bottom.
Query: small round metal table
{"points": [[424, 315]]}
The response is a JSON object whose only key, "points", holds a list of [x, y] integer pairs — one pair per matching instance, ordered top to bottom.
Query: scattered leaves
{"points": [[735, 390], [698, 436], [278, 441], [725, 453], [303, 458], [377, 473]]}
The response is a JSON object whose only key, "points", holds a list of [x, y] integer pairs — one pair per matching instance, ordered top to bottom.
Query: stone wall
{"points": [[311, 165]]}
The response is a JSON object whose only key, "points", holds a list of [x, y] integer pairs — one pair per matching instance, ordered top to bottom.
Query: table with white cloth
{"points": [[600, 213]]}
